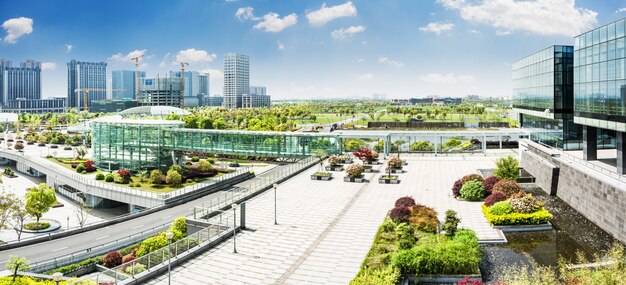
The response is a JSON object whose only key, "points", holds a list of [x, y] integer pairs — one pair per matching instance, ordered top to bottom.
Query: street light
{"points": [[234, 206], [275, 220], [68, 222], [169, 236], [57, 277]]}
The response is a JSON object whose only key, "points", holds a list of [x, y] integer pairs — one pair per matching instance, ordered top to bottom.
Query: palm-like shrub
{"points": [[334, 160], [394, 162], [507, 168], [355, 170], [471, 177], [489, 183], [508, 187], [473, 190], [495, 197], [405, 202], [526, 204], [501, 208]]}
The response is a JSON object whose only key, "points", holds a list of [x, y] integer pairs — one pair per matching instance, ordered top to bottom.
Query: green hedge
{"points": [[541, 216], [73, 266], [386, 276], [25, 280]]}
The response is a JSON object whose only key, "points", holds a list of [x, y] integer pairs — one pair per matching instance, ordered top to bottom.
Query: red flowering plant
{"points": [[365, 154]]}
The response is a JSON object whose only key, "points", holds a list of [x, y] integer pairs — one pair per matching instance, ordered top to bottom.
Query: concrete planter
{"points": [[30, 143], [41, 144], [54, 146], [67, 148], [347, 161], [372, 162], [233, 164], [334, 167], [395, 170], [6, 175], [323, 178], [354, 179], [393, 180], [526, 228], [440, 278]]}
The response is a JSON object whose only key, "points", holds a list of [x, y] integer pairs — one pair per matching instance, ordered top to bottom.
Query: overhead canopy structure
{"points": [[154, 111]]}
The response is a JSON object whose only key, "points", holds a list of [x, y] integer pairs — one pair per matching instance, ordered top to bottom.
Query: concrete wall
{"points": [[545, 172]]}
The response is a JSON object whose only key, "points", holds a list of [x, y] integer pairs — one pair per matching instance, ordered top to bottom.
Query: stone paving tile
{"points": [[306, 248]]}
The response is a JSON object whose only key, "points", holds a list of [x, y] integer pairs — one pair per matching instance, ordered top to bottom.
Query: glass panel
{"points": [[619, 29]]}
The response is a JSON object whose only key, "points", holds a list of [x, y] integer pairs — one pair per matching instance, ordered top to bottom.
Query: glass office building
{"points": [[600, 89], [543, 97]]}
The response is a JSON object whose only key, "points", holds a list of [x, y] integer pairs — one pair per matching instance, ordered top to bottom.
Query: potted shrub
{"points": [[19, 146], [367, 155], [346, 159], [334, 163], [394, 165], [355, 173], [321, 174]]}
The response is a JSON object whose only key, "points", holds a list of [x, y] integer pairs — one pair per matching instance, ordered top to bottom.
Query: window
{"points": [[619, 29]]}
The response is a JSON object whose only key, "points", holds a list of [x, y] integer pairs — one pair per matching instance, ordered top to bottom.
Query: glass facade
{"points": [[600, 74], [85, 75], [544, 80], [559, 133]]}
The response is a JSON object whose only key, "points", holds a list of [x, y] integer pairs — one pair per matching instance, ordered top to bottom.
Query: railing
{"points": [[200, 212], [220, 225]]}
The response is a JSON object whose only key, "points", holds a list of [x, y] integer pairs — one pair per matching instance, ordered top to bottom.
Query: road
{"points": [[81, 242]]}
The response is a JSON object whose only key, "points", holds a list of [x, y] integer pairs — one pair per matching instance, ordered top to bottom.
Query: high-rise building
{"points": [[3, 65], [85, 75], [236, 79], [22, 82], [124, 83], [196, 87], [204, 88], [258, 90], [160, 92], [543, 97]]}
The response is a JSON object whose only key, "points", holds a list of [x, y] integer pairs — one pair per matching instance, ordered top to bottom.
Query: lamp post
{"points": [[234, 206], [275, 219], [68, 222], [169, 236], [57, 277]]}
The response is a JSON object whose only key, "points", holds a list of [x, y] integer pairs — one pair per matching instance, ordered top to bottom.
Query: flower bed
{"points": [[388, 179], [541, 216], [36, 226]]}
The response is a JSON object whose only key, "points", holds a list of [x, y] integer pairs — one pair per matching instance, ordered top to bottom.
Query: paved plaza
{"points": [[326, 228]]}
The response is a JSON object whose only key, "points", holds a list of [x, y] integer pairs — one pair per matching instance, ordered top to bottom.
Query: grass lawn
{"points": [[69, 165], [163, 188]]}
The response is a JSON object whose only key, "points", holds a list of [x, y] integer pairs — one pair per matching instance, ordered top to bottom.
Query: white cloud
{"points": [[620, 10], [245, 13], [326, 14], [543, 17], [273, 23], [16, 28], [437, 28], [473, 31], [343, 33], [503, 33], [281, 46], [68, 47], [193, 55], [119, 57], [360, 60], [386, 60], [48, 66], [214, 73], [365, 77], [449, 78]]}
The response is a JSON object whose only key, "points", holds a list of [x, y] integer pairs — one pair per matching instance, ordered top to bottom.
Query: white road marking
{"points": [[167, 217], [137, 227], [102, 237], [59, 249]]}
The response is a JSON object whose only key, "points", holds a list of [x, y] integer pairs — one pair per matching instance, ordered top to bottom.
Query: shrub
{"points": [[451, 143], [19, 146], [421, 146], [365, 154], [195, 159], [210, 160], [334, 160], [394, 162], [89, 163], [204, 166], [80, 168], [176, 168], [507, 168], [355, 170], [9, 172], [84, 172], [125, 174], [99, 176], [156, 177], [470, 177], [109, 178], [117, 178], [173, 178], [489, 183], [508, 187], [456, 188], [473, 190], [496, 196], [405, 202], [525, 204], [501, 208], [400, 214], [541, 216], [423, 218], [451, 223], [180, 224], [36, 226], [404, 236], [151, 244], [128, 258], [112, 259], [136, 268], [385, 276]]}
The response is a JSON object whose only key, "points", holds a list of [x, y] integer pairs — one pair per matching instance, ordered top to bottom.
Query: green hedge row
{"points": [[541, 216]]}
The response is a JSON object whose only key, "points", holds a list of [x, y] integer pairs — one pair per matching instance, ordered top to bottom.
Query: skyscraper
{"points": [[85, 75], [236, 79], [22, 82], [124, 83], [196, 87], [258, 90], [160, 91]]}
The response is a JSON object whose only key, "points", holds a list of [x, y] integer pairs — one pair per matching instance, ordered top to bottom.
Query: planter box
{"points": [[30, 143], [41, 144], [75, 144], [54, 146], [67, 148], [347, 161], [372, 162], [233, 164], [334, 168], [395, 170], [4, 174], [323, 178], [353, 179], [382, 180], [525, 228], [442, 278]]}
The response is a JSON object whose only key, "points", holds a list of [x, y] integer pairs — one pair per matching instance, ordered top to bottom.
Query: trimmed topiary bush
{"points": [[195, 159], [334, 160], [204, 166], [80, 168], [507, 168], [355, 170], [99, 176], [156, 177], [470, 177], [109, 178], [173, 178], [489, 183], [508, 187], [456, 188], [473, 190], [495, 197], [405, 202], [525, 204], [501, 208], [400, 214], [451, 223], [112, 259]]}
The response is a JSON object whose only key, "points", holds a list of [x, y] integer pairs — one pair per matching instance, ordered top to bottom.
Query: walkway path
{"points": [[326, 228]]}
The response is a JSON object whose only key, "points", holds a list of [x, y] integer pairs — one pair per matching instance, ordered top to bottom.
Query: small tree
{"points": [[80, 152], [320, 154], [507, 168], [143, 175], [156, 177], [7, 200], [39, 200], [82, 213], [18, 217], [451, 223], [16, 264]]}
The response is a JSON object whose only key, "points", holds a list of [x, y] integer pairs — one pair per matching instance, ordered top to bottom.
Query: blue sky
{"points": [[304, 49]]}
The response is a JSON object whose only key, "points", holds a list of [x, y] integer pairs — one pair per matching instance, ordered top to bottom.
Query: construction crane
{"points": [[136, 60], [182, 83], [86, 95]]}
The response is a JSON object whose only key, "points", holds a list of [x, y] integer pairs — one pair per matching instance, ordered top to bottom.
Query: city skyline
{"points": [[304, 50]]}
